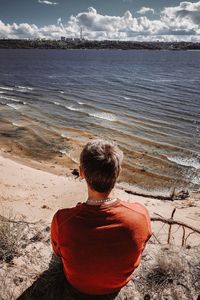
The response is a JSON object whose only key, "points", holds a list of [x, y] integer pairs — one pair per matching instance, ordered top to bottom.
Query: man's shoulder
{"points": [[135, 207], [63, 215], [136, 215]]}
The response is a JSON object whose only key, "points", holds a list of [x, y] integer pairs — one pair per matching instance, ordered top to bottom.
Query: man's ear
{"points": [[81, 172]]}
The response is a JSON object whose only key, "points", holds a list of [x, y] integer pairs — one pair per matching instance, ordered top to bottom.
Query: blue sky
{"points": [[32, 11], [101, 19]]}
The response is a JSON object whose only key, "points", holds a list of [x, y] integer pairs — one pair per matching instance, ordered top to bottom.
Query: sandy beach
{"points": [[31, 192], [34, 192]]}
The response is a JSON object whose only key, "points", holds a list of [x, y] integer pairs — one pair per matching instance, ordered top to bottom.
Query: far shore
{"points": [[80, 43]]}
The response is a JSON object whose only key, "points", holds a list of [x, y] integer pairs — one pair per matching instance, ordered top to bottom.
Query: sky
{"points": [[141, 20]]}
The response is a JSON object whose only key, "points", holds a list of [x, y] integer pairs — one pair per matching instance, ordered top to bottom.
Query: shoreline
{"points": [[59, 153], [137, 178]]}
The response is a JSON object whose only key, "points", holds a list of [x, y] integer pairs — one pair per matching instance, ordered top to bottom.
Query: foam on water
{"points": [[6, 88], [24, 88], [9, 98], [13, 99], [57, 103], [14, 106], [67, 107], [72, 108], [144, 108], [104, 115], [15, 124], [64, 136], [66, 152], [193, 162]]}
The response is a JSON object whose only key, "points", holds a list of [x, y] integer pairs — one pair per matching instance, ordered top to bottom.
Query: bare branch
{"points": [[174, 222], [183, 237]]}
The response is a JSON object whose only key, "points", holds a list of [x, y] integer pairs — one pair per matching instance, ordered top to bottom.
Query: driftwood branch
{"points": [[149, 195], [181, 195], [171, 222], [174, 222], [170, 226], [189, 234], [183, 237], [156, 238]]}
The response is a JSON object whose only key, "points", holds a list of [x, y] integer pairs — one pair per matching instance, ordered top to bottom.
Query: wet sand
{"points": [[148, 174]]}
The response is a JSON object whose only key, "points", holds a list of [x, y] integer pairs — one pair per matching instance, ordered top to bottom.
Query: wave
{"points": [[164, 80], [6, 88], [24, 88], [12, 99], [57, 103], [81, 103], [14, 106], [67, 107], [72, 108], [100, 115], [104, 115], [15, 124], [66, 152], [193, 162]]}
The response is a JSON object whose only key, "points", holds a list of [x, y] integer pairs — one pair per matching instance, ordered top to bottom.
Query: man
{"points": [[100, 241]]}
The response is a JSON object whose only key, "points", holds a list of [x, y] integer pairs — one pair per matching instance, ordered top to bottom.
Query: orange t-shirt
{"points": [[100, 245]]}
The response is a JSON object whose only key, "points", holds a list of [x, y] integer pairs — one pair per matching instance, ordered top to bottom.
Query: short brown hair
{"points": [[101, 161]]}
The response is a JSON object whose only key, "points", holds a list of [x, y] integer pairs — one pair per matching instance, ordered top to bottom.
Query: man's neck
{"points": [[96, 196]]}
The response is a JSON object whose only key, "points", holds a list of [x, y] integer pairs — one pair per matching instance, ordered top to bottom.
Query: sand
{"points": [[27, 192], [33, 192]]}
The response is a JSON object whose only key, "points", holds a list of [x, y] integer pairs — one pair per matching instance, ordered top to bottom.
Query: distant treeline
{"points": [[85, 44]]}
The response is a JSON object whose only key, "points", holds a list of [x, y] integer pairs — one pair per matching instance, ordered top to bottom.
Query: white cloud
{"points": [[47, 2], [143, 10], [182, 19], [59, 21], [180, 22], [25, 31]]}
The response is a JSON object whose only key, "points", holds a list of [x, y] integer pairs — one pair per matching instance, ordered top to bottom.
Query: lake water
{"points": [[147, 101]]}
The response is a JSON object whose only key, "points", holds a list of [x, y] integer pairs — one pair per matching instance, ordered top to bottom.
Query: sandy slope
{"points": [[34, 194]]}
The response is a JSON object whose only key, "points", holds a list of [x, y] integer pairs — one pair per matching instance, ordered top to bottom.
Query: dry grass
{"points": [[11, 240], [11, 245], [24, 254], [168, 268], [166, 272], [172, 274], [52, 285]]}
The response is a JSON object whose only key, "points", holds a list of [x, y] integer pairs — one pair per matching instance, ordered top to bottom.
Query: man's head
{"points": [[100, 162]]}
